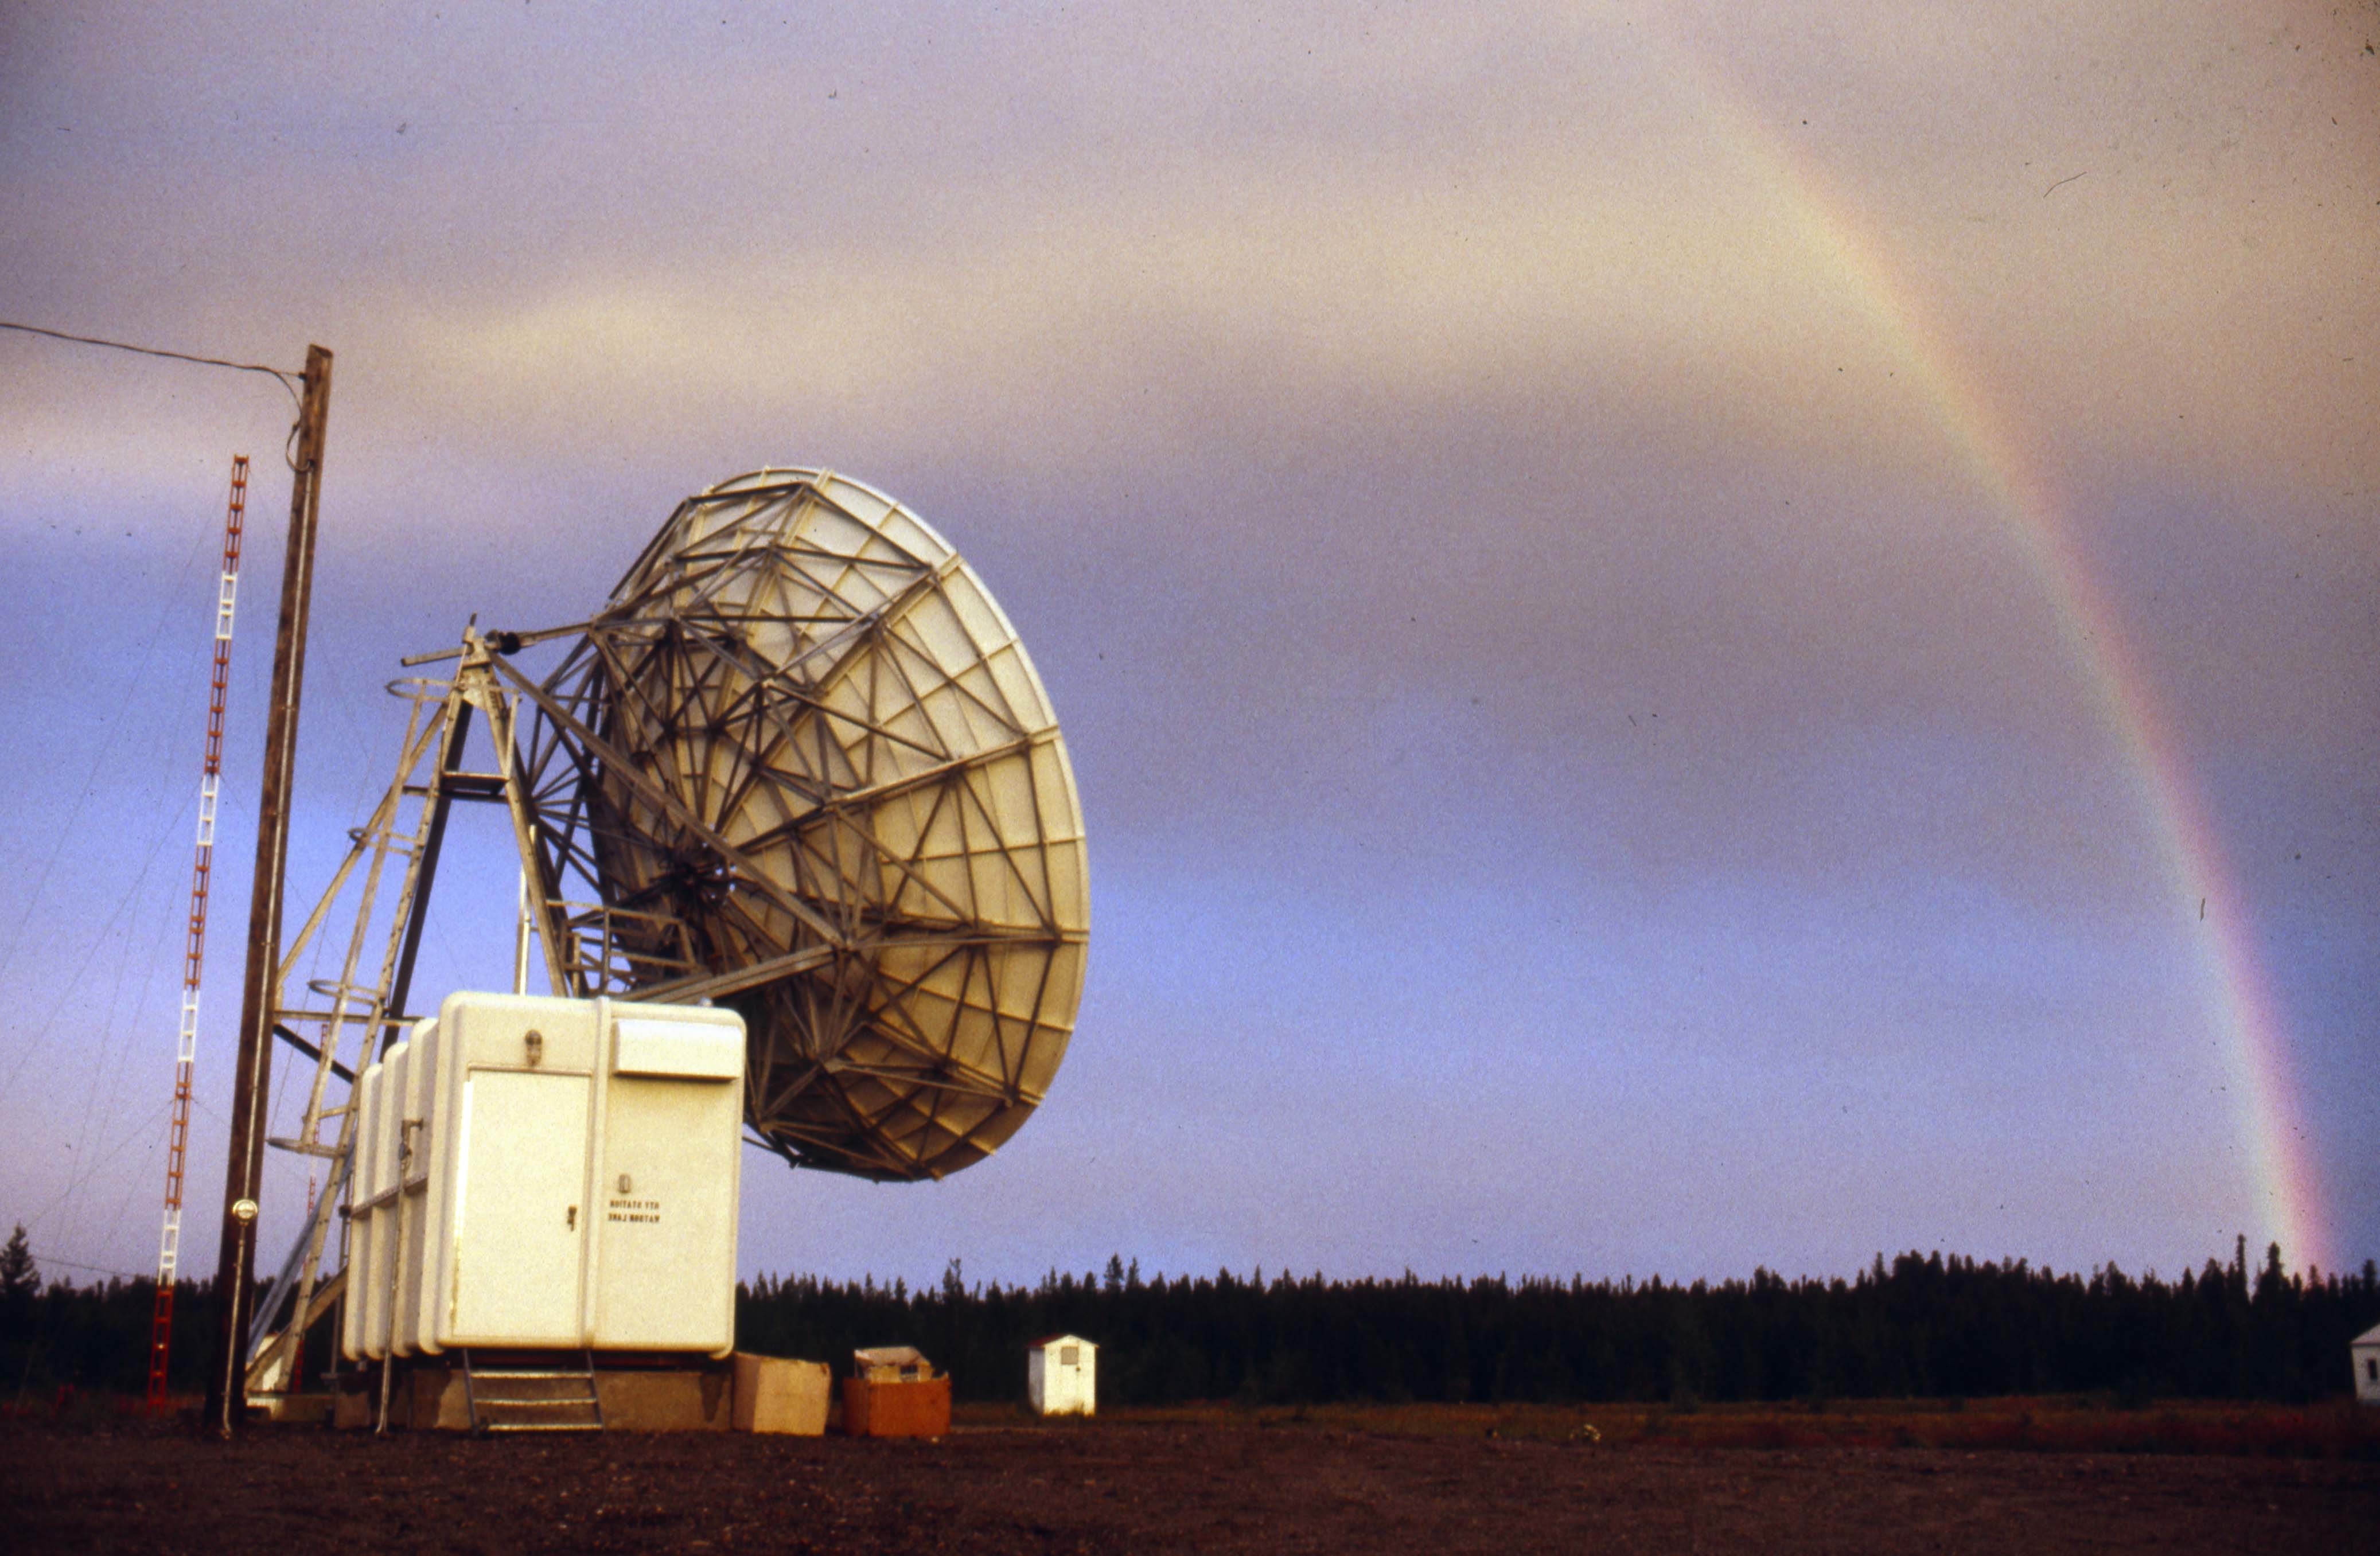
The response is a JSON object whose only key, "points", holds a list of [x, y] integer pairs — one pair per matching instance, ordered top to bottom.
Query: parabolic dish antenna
{"points": [[800, 765], [804, 766]]}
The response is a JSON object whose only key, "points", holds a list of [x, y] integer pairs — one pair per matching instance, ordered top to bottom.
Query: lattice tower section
{"points": [[194, 942]]}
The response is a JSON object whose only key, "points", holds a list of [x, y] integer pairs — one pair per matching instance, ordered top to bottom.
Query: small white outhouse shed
{"points": [[2366, 1351], [1062, 1375]]}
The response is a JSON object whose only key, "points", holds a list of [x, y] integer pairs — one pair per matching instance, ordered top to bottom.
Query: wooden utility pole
{"points": [[260, 993]]}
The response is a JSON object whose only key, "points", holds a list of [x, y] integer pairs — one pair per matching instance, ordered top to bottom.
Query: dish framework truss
{"points": [[802, 764]]}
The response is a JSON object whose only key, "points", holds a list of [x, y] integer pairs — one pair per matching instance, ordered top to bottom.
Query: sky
{"points": [[1694, 637]]}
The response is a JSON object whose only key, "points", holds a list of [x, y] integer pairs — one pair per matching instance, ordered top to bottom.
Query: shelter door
{"points": [[519, 1224]]}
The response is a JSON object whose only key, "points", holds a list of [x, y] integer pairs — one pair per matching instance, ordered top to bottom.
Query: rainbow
{"points": [[1961, 395]]}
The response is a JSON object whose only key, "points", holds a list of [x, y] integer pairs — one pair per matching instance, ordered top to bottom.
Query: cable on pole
{"points": [[275, 373]]}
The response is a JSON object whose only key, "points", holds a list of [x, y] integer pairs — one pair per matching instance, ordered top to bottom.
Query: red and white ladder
{"points": [[161, 1332]]}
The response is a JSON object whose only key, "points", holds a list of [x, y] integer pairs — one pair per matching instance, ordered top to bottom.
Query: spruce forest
{"points": [[1922, 1326]]}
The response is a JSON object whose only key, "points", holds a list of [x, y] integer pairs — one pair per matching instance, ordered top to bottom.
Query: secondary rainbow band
{"points": [[2245, 1011]]}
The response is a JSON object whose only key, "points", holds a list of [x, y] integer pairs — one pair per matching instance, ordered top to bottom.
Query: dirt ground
{"points": [[1139, 1485]]}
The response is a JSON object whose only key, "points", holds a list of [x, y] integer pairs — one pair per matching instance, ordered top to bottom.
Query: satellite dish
{"points": [[802, 766]]}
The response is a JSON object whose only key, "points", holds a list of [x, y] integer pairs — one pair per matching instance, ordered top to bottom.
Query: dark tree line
{"points": [[1924, 1326], [93, 1337]]}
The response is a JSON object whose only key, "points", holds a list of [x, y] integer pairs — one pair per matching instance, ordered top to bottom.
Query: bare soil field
{"points": [[1374, 1480]]}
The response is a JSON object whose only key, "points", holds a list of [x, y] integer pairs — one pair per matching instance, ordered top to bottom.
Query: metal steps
{"points": [[533, 1397]]}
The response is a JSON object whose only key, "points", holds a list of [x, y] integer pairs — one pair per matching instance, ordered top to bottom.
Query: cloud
{"points": [[1479, 485]]}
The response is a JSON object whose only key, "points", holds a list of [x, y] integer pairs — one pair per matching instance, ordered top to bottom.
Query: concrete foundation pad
{"points": [[430, 1396]]}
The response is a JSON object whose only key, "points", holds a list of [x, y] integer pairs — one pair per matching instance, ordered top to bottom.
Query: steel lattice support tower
{"points": [[194, 948]]}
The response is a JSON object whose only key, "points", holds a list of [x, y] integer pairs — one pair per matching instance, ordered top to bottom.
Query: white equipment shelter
{"points": [[548, 1174], [2364, 1350], [1061, 1376]]}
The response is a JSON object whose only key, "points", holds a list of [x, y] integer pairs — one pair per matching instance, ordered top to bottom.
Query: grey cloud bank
{"points": [[1581, 771]]}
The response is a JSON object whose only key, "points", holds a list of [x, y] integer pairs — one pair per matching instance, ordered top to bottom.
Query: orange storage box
{"points": [[913, 1408]]}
